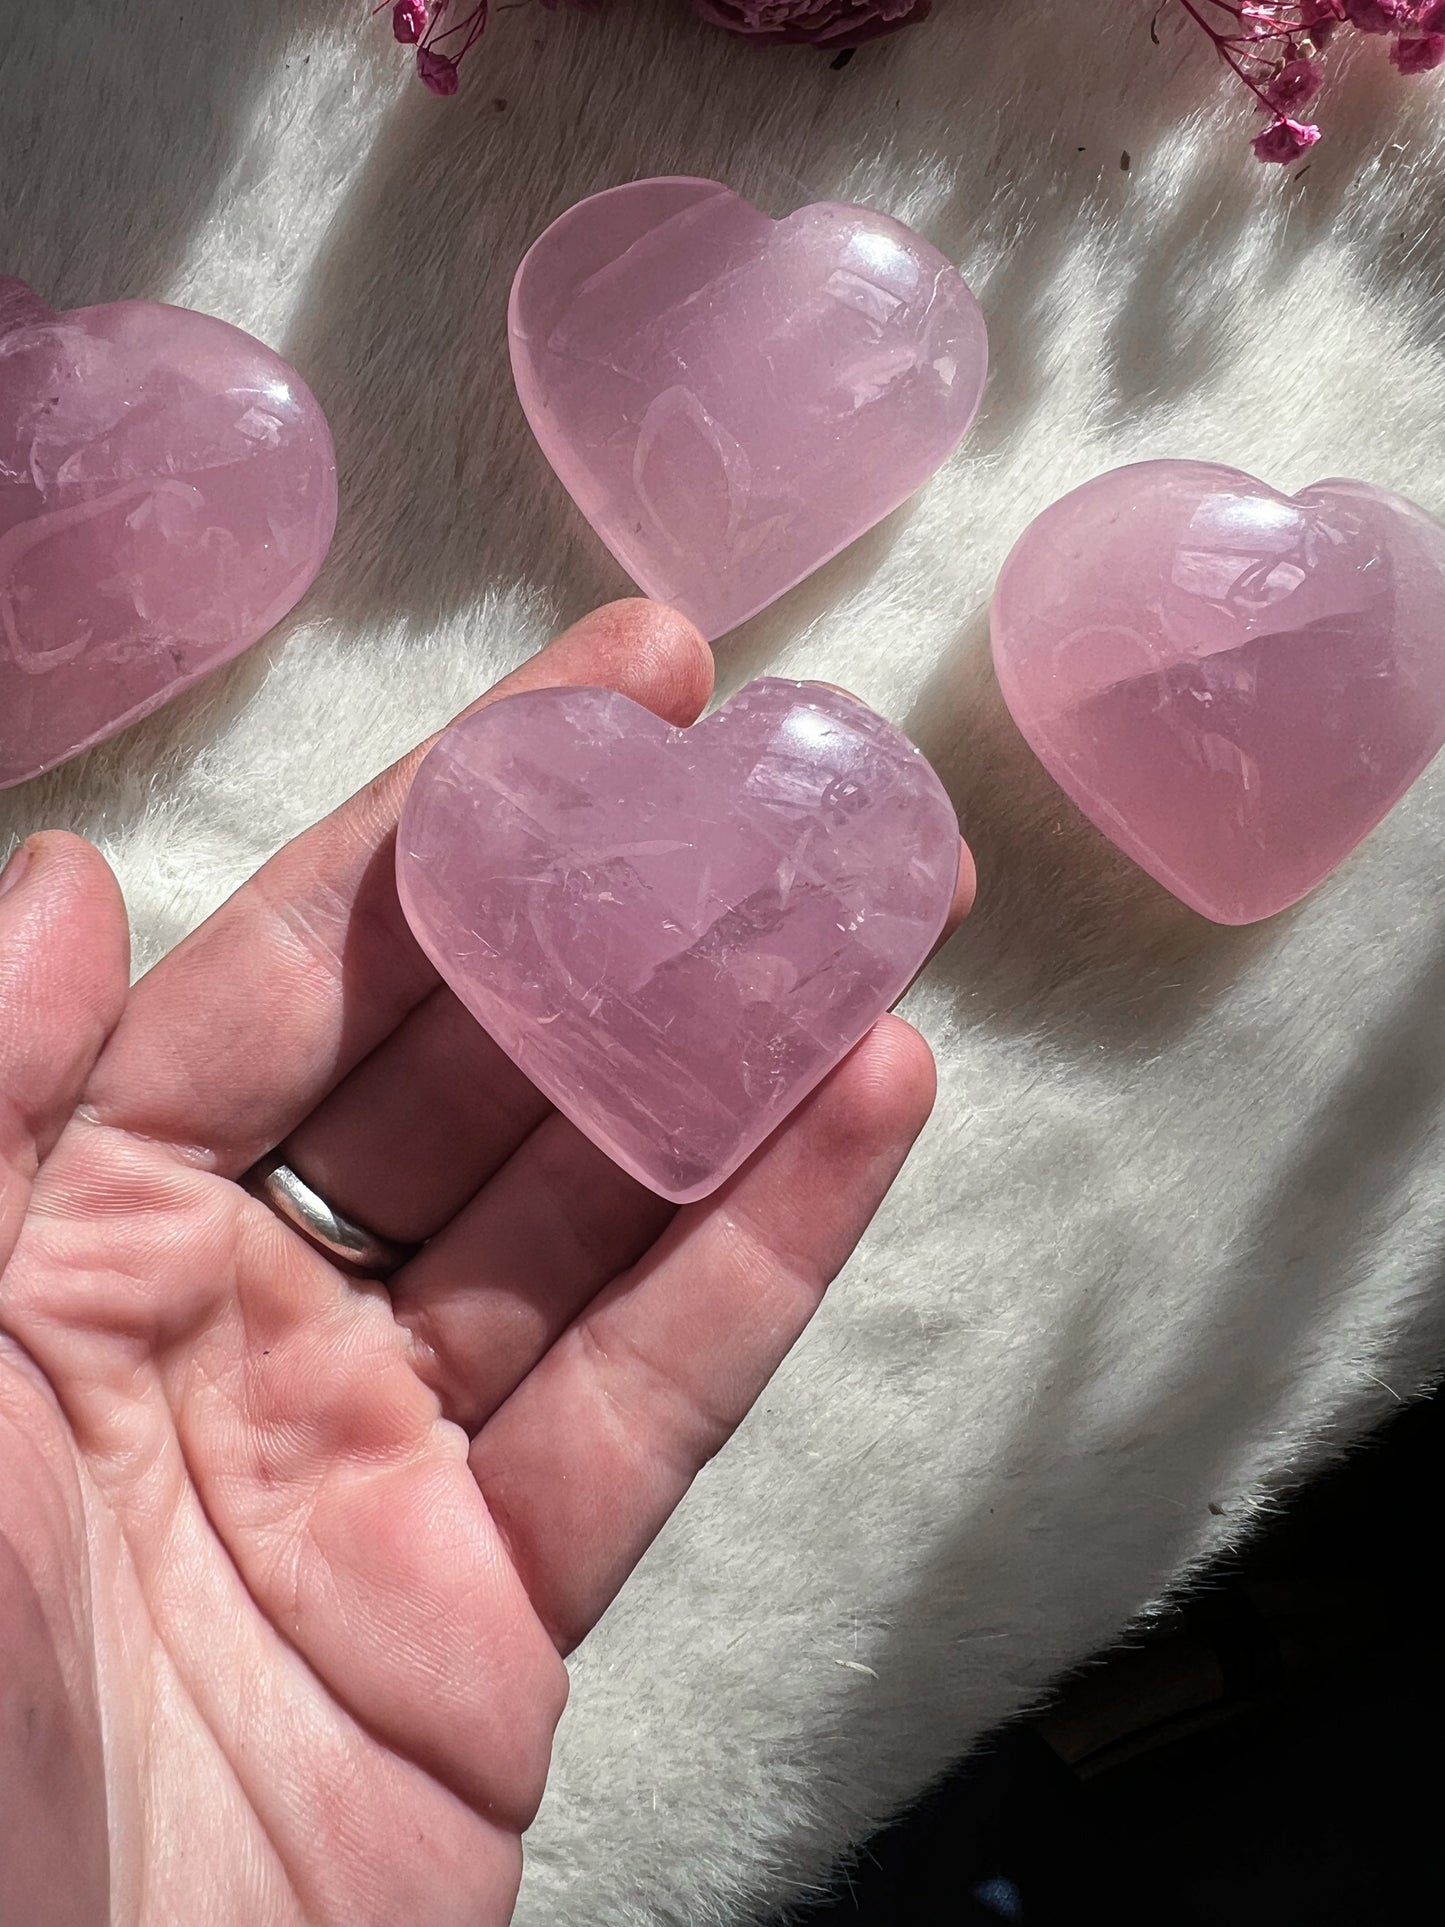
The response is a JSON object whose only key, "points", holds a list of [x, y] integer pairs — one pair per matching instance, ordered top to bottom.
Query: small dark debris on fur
{"points": [[842, 59], [1125, 161], [1216, 1509]]}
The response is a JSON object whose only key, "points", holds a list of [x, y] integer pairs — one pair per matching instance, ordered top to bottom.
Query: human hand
{"points": [[288, 1560]]}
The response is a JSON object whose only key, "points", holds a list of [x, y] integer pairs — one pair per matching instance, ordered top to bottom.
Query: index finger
{"points": [[232, 1039]]}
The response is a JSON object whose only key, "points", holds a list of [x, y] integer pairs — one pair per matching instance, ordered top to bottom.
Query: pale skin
{"points": [[289, 1560]]}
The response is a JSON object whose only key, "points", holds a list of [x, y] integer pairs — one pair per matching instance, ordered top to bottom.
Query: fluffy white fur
{"points": [[1175, 1230]]}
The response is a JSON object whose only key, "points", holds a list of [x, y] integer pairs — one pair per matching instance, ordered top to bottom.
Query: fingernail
{"points": [[15, 869]]}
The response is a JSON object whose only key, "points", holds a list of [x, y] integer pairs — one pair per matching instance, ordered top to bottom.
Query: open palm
{"points": [[288, 1560]]}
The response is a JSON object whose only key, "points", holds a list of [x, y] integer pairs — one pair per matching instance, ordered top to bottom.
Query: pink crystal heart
{"points": [[731, 400], [167, 492], [1234, 684], [676, 932]]}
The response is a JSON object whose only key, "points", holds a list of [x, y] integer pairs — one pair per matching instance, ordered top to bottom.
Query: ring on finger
{"points": [[340, 1238]]}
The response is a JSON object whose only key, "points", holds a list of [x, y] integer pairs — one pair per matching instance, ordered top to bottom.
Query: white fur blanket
{"points": [[1175, 1231]]}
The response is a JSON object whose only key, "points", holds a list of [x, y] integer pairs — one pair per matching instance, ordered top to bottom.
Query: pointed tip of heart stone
{"points": [[729, 399], [171, 495], [1234, 684], [677, 933]]}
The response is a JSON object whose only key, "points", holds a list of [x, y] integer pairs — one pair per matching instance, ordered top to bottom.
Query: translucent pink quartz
{"points": [[731, 400], [167, 492], [1234, 684], [676, 932]]}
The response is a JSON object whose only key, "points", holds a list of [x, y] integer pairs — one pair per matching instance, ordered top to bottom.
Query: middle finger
{"points": [[419, 1125]]}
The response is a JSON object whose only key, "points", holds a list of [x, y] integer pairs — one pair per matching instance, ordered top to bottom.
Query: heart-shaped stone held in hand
{"points": [[730, 400], [167, 494], [1234, 684], [677, 932]]}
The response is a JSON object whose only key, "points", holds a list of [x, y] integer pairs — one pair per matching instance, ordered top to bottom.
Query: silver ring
{"points": [[306, 1211]]}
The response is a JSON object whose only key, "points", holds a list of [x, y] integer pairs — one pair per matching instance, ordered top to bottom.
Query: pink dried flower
{"points": [[1374, 16], [410, 20], [1318, 20], [816, 23], [1270, 46], [1418, 53], [436, 63], [437, 71], [1295, 85], [1284, 141]]}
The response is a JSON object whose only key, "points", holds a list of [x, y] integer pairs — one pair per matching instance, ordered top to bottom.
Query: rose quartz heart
{"points": [[731, 400], [167, 492], [1234, 684], [676, 932]]}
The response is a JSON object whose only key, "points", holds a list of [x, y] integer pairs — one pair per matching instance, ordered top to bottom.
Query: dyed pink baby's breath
{"points": [[1374, 16], [409, 21], [446, 41], [1272, 48], [1418, 53], [436, 71], [1295, 85], [1284, 140]]}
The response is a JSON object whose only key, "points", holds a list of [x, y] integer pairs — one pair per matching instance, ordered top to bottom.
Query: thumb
{"points": [[64, 961]]}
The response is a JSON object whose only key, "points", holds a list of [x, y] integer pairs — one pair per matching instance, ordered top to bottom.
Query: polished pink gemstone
{"points": [[731, 400], [167, 492], [1234, 684], [676, 932]]}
